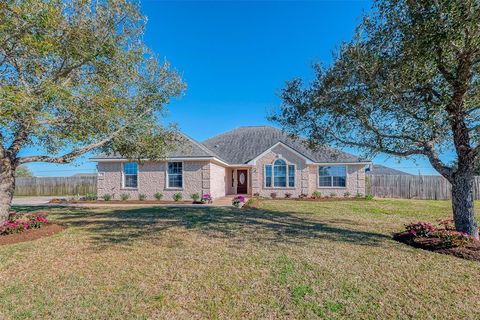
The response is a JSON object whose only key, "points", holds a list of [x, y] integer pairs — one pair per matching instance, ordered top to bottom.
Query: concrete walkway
{"points": [[31, 201], [43, 201]]}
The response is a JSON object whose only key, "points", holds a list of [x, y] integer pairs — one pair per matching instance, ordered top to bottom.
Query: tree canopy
{"points": [[75, 76], [407, 84], [404, 86], [23, 172]]}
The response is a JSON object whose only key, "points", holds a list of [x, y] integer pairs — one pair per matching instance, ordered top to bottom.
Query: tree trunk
{"points": [[7, 188], [462, 201]]}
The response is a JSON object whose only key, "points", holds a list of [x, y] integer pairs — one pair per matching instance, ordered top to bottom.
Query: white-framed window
{"points": [[279, 174], [130, 175], [175, 175], [291, 175], [268, 176], [332, 176]]}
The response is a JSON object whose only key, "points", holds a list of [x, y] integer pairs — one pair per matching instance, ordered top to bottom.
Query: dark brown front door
{"points": [[242, 181]]}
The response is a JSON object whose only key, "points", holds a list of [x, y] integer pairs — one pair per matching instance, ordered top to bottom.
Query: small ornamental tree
{"points": [[76, 77], [406, 85], [23, 172]]}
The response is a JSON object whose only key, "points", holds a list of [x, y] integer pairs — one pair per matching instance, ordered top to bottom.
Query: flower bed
{"points": [[318, 196], [122, 202], [20, 222], [21, 227], [31, 234], [442, 239]]}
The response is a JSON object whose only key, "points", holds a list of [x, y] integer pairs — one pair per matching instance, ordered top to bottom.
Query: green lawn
{"points": [[332, 260]]}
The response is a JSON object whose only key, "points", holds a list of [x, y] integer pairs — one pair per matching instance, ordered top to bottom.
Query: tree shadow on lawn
{"points": [[116, 226]]}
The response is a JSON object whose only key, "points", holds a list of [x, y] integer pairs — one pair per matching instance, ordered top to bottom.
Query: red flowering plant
{"points": [[19, 222], [420, 229]]}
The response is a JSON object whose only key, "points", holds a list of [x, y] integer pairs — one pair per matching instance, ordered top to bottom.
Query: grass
{"points": [[327, 260]]}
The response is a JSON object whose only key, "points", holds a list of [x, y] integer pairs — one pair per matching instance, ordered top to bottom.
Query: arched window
{"points": [[280, 174]]}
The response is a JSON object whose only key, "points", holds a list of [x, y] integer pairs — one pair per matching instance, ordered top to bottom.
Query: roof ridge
{"points": [[238, 128]]}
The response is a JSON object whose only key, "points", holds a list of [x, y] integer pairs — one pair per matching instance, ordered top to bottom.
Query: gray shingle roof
{"points": [[243, 144], [188, 148], [378, 169]]}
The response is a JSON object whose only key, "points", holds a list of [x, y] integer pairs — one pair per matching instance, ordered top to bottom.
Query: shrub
{"points": [[256, 194], [316, 194], [333, 194], [346, 194], [273, 195], [288, 195], [358, 195], [124, 196], [158, 196], [303, 196], [90, 197], [107, 197], [142, 197], [177, 197], [195, 197], [369, 197], [207, 198], [238, 200], [249, 203], [36, 220], [19, 222], [447, 224], [10, 227], [420, 229], [454, 238]]}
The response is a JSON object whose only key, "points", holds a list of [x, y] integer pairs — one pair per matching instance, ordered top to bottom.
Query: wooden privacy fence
{"points": [[55, 186], [384, 186], [413, 187]]}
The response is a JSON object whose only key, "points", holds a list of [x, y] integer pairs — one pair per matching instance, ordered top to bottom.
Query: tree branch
{"points": [[20, 138], [68, 157]]}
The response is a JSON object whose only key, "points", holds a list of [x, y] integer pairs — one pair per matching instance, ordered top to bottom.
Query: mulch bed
{"points": [[321, 199], [64, 201], [32, 234], [469, 252]]}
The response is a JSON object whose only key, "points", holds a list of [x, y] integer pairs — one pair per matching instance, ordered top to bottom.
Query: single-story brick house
{"points": [[249, 160]]}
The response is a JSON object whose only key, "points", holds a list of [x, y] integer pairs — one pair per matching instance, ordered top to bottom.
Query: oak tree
{"points": [[75, 77], [406, 85]]}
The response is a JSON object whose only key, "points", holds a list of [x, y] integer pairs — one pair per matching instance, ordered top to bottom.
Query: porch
{"points": [[239, 181]]}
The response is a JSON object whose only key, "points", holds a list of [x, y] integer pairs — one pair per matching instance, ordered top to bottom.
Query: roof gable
{"points": [[307, 160]]}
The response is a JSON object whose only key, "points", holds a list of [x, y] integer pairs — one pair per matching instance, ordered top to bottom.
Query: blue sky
{"points": [[236, 56]]}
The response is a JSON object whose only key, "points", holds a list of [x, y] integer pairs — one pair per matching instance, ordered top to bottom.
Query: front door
{"points": [[242, 181]]}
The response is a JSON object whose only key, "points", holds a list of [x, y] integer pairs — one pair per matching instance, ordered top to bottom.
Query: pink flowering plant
{"points": [[207, 198], [238, 200], [19, 222], [420, 229], [446, 232]]}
